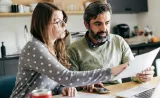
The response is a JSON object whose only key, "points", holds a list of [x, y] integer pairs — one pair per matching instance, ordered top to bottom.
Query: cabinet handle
{"points": [[128, 9]]}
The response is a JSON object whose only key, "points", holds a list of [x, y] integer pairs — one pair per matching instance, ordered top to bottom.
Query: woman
{"points": [[42, 59]]}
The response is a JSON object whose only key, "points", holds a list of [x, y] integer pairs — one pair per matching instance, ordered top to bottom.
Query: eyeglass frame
{"points": [[60, 23]]}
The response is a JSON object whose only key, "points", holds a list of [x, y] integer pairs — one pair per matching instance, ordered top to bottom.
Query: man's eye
{"points": [[107, 23], [97, 24]]}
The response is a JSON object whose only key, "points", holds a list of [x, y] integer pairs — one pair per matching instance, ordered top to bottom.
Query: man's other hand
{"points": [[146, 75]]}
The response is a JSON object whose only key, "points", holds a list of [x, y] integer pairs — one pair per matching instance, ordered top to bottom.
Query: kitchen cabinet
{"points": [[128, 6], [9, 66], [1, 68]]}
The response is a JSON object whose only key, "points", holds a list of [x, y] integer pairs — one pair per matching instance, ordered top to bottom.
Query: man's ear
{"points": [[86, 25]]}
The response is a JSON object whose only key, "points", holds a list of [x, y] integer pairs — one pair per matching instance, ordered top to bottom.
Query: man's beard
{"points": [[100, 39]]}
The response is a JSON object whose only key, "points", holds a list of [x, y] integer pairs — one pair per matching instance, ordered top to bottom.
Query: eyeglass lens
{"points": [[61, 23]]}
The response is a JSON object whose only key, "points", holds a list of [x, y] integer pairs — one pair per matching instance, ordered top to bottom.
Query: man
{"points": [[100, 49]]}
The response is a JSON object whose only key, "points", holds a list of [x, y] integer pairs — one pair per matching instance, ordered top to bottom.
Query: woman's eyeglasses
{"points": [[60, 23]]}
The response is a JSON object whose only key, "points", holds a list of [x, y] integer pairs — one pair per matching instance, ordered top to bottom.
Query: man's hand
{"points": [[146, 75], [69, 91]]}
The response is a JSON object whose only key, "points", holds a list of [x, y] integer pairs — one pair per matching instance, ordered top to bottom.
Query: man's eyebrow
{"points": [[108, 21], [97, 22], [101, 22]]}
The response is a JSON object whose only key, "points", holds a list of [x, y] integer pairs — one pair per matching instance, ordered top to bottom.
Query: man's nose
{"points": [[104, 27]]}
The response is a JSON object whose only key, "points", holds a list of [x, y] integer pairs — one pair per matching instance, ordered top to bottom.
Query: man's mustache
{"points": [[102, 32]]}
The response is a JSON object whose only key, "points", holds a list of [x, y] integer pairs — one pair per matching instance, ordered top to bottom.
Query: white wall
{"points": [[151, 18], [75, 22], [12, 28], [12, 32]]}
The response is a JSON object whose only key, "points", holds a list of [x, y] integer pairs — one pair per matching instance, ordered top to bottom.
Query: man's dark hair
{"points": [[94, 9]]}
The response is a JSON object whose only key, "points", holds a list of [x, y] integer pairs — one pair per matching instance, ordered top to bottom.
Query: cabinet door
{"points": [[139, 5], [118, 6], [128, 6], [11, 66], [1, 68]]}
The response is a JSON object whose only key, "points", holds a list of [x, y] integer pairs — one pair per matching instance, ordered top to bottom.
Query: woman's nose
{"points": [[65, 24]]}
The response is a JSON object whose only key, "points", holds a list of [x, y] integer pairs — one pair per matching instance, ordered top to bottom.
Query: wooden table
{"points": [[120, 87]]}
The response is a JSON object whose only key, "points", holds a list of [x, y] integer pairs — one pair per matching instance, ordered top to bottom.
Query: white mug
{"points": [[21, 9], [26, 9]]}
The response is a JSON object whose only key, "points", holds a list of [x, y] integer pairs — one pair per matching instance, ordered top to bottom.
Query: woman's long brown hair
{"points": [[41, 17]]}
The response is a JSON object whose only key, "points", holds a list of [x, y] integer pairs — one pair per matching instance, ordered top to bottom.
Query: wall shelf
{"points": [[26, 2], [67, 3], [74, 12], [30, 13], [15, 14]]}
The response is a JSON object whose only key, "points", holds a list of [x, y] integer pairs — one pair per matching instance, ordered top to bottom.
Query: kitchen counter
{"points": [[145, 45], [141, 47], [9, 57], [9, 65]]}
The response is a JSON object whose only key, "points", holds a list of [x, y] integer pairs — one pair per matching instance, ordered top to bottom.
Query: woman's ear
{"points": [[86, 25]]}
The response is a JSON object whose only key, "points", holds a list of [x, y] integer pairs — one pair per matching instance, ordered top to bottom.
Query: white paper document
{"points": [[140, 63], [87, 95]]}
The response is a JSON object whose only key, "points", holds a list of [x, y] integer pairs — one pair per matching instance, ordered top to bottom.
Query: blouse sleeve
{"points": [[36, 54]]}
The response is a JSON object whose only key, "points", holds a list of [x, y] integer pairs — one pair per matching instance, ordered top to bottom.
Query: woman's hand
{"points": [[118, 69], [90, 88], [69, 91]]}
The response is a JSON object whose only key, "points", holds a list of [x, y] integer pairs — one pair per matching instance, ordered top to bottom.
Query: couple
{"points": [[43, 63]]}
